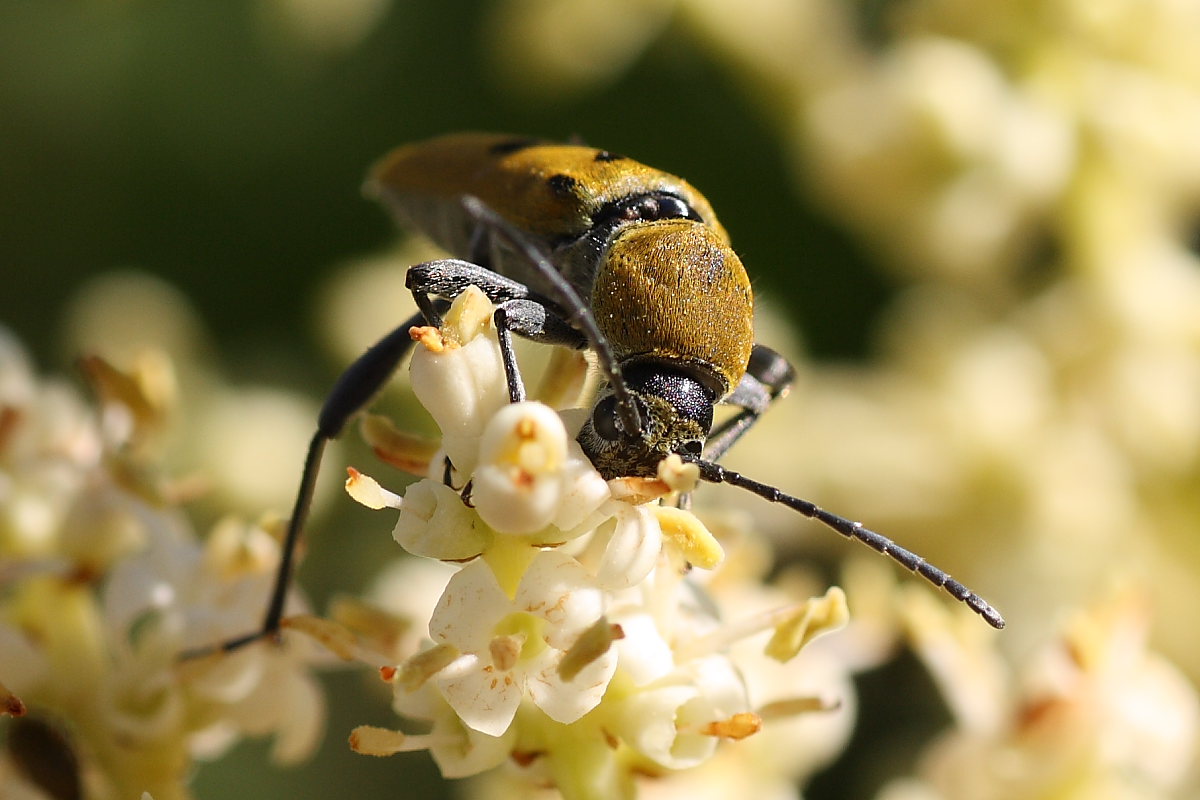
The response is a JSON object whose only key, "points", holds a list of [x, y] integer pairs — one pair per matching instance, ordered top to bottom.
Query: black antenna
{"points": [[573, 306], [715, 473]]}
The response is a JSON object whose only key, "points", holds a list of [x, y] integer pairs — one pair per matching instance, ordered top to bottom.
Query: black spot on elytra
{"points": [[512, 146], [604, 155], [563, 185]]}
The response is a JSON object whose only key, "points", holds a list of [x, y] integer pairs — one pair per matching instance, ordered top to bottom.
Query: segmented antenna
{"points": [[573, 306], [715, 473]]}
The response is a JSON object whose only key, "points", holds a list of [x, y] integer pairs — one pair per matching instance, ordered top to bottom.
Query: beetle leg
{"points": [[481, 247], [449, 277], [516, 312], [575, 312], [531, 320], [534, 320], [512, 373], [767, 378], [358, 384]]}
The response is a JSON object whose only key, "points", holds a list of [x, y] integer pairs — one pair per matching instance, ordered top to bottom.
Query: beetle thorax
{"points": [[673, 290]]}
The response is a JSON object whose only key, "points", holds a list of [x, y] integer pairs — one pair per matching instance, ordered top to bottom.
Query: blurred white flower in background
{"points": [[103, 585], [1093, 714]]}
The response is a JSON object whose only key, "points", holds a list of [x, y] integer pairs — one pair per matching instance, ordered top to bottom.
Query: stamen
{"points": [[468, 317], [429, 337], [404, 451], [681, 476], [367, 491], [637, 491], [688, 534], [816, 616], [374, 626], [795, 626], [730, 633], [335, 637], [591, 644], [506, 651], [424, 665], [10, 704], [795, 706], [737, 727], [372, 741]]}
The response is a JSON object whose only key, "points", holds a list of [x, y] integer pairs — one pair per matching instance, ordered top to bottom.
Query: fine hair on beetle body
{"points": [[583, 248]]}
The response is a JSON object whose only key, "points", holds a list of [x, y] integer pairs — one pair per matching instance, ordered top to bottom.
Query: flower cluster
{"points": [[1029, 172], [103, 584], [571, 643], [1095, 714]]}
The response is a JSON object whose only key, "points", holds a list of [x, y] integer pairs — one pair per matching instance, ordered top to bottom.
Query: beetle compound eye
{"points": [[658, 206], [673, 207], [645, 208], [604, 419], [693, 447]]}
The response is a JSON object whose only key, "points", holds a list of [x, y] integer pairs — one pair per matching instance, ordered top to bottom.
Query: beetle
{"points": [[585, 248], [640, 251]]}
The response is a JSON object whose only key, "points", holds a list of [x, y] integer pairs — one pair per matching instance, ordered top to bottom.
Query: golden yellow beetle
{"points": [[584, 248]]}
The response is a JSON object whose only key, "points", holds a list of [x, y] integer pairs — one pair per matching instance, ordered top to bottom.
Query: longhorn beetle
{"points": [[583, 248]]}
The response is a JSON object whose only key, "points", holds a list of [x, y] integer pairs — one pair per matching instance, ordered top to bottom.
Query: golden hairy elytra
{"points": [[548, 190]]}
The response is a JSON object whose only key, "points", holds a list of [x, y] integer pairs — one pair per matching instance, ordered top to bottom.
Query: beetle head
{"points": [[676, 413]]}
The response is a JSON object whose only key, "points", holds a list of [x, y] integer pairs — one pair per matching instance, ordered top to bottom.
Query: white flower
{"points": [[458, 375], [527, 475], [531, 475], [531, 481], [435, 523], [622, 551], [177, 594], [100, 595], [572, 639], [512, 647], [1095, 714], [675, 721]]}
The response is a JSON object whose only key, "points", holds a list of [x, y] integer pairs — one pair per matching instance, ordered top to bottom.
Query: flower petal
{"points": [[435, 523], [558, 589], [469, 609], [485, 699], [567, 701]]}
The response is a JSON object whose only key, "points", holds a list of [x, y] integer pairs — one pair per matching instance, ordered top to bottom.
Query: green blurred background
{"points": [[188, 139]]}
